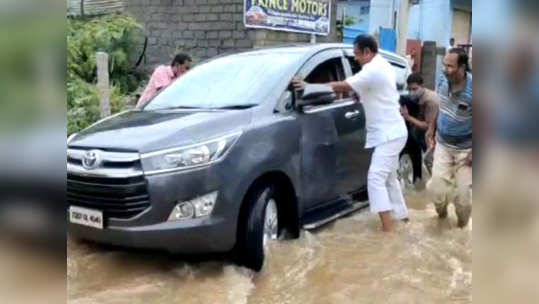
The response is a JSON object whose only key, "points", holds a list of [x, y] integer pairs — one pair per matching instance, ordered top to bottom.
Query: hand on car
{"points": [[298, 83]]}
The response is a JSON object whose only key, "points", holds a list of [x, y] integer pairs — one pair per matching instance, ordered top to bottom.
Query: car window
{"points": [[356, 67], [401, 69], [328, 71], [236, 80]]}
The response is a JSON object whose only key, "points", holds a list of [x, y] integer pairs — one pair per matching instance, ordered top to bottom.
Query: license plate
{"points": [[86, 217]]}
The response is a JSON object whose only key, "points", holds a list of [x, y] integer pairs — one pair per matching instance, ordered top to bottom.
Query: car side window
{"points": [[356, 67], [328, 71]]}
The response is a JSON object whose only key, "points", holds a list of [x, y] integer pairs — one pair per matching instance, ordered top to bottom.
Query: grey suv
{"points": [[226, 158]]}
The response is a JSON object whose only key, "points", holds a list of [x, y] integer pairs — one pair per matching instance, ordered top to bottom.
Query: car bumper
{"points": [[152, 230], [187, 237]]}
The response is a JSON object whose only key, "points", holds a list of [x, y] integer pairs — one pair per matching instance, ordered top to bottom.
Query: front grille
{"points": [[105, 188]]}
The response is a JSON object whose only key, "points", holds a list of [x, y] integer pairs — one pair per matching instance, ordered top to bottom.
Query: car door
{"points": [[330, 134], [361, 159]]}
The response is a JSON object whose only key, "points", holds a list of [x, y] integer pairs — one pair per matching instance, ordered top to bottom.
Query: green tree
{"points": [[114, 34]]}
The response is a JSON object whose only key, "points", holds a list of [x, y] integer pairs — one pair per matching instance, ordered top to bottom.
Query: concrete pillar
{"points": [[381, 13], [403, 27], [428, 64], [103, 83]]}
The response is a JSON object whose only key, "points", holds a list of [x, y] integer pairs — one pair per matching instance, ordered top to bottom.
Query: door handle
{"points": [[350, 115]]}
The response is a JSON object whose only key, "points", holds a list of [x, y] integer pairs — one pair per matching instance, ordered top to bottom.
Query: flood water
{"points": [[348, 261]]}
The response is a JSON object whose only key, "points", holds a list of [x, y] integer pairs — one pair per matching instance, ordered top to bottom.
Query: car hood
{"points": [[147, 131]]}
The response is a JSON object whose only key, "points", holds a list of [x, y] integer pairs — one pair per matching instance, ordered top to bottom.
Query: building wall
{"points": [[381, 15], [433, 20], [438, 21], [414, 22], [201, 28], [204, 28], [461, 31]]}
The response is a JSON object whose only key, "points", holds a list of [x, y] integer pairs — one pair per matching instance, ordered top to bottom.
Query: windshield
{"points": [[233, 81]]}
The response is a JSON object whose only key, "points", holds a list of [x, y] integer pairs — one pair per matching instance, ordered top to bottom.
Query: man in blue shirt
{"points": [[451, 135]]}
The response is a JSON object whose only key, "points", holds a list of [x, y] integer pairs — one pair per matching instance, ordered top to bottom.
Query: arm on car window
{"points": [[337, 86], [340, 86]]}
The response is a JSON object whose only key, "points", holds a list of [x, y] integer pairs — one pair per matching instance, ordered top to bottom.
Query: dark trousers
{"points": [[415, 145]]}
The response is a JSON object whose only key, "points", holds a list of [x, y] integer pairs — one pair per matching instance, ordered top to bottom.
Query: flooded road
{"points": [[348, 261]]}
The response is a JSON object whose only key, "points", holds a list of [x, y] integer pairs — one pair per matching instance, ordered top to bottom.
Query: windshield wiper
{"points": [[236, 107]]}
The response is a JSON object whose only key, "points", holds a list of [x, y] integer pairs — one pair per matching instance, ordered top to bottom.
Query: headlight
{"points": [[71, 137], [188, 157]]}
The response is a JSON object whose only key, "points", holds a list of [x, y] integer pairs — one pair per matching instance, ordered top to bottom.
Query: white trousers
{"points": [[384, 189]]}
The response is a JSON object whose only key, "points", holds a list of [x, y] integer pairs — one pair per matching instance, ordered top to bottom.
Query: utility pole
{"points": [[404, 13]]}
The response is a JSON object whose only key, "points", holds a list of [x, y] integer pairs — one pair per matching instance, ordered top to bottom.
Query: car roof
{"points": [[310, 49]]}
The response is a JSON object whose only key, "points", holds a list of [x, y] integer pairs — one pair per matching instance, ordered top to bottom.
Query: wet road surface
{"points": [[348, 261]]}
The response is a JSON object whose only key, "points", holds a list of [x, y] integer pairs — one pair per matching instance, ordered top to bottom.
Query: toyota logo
{"points": [[91, 159]]}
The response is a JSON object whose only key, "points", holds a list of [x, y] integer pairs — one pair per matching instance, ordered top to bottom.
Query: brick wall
{"points": [[203, 29]]}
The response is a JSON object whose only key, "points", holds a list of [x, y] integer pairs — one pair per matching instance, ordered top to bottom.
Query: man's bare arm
{"points": [[337, 86], [340, 86], [420, 124], [431, 132]]}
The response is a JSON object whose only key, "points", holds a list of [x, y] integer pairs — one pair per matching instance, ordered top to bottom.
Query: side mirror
{"points": [[316, 94], [285, 102]]}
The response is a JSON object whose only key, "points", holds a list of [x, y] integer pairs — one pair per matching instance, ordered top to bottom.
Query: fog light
{"points": [[204, 204], [197, 207], [183, 210]]}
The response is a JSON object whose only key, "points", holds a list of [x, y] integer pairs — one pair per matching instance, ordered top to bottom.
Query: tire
{"points": [[406, 171], [262, 208]]}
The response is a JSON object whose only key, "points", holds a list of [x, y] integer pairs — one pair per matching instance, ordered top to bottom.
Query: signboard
{"points": [[304, 16]]}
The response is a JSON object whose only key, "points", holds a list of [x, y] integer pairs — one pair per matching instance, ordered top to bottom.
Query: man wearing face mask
{"points": [[376, 85], [425, 103], [451, 134]]}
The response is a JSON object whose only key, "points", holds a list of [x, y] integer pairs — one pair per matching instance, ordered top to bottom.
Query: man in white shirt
{"points": [[376, 85]]}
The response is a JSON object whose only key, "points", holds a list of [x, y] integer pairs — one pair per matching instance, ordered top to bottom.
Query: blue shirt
{"points": [[455, 115]]}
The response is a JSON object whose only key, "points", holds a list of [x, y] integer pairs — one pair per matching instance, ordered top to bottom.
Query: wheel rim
{"points": [[406, 171], [271, 222]]}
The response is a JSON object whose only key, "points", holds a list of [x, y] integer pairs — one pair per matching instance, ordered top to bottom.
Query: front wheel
{"points": [[405, 171], [261, 227]]}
